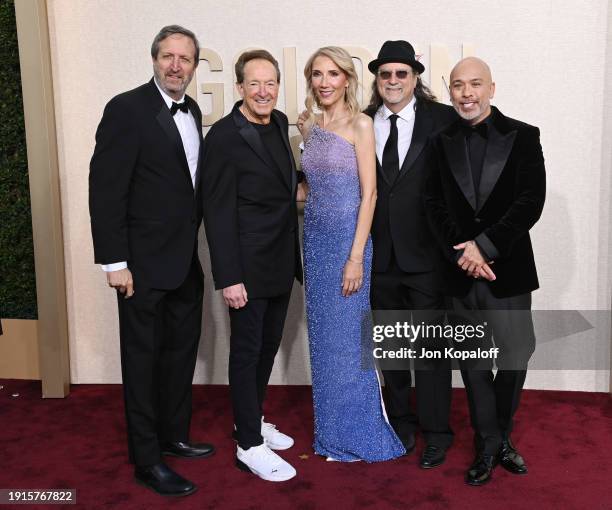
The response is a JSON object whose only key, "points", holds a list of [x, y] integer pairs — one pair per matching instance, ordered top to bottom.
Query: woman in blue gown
{"points": [[340, 190]]}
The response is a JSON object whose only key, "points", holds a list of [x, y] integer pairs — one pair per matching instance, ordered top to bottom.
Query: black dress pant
{"points": [[396, 290], [257, 329], [159, 331], [493, 400]]}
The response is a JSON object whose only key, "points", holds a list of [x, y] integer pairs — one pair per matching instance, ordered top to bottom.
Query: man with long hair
{"points": [[406, 114]]}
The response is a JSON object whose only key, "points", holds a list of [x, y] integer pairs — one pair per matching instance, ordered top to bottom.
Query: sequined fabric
{"points": [[350, 423]]}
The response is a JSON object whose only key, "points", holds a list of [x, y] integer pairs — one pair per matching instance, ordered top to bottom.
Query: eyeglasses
{"points": [[402, 74]]}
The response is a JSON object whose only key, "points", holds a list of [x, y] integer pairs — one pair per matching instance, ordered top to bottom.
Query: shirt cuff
{"points": [[488, 249], [117, 266]]}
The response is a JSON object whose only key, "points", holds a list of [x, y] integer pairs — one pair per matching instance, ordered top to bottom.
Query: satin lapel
{"points": [[197, 121], [423, 124], [168, 125], [250, 134], [498, 150], [456, 155], [379, 169], [293, 171], [290, 179]]}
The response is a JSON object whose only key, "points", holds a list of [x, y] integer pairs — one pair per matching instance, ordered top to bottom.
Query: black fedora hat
{"points": [[396, 51]]}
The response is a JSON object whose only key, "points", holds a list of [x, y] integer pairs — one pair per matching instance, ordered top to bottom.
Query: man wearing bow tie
{"points": [[485, 191], [145, 209]]}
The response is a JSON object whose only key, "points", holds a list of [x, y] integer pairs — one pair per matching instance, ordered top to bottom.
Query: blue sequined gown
{"points": [[350, 423]]}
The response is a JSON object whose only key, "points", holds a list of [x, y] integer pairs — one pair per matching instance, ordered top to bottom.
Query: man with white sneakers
{"points": [[249, 185]]}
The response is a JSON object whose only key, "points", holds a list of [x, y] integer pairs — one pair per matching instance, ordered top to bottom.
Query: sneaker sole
{"points": [[270, 445], [274, 446], [243, 467]]}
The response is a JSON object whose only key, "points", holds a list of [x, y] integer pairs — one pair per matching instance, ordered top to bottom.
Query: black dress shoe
{"points": [[409, 442], [187, 450], [432, 456], [510, 459], [481, 469], [161, 479]]}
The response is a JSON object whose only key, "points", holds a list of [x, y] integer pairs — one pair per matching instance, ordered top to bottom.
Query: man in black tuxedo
{"points": [[405, 115], [249, 189], [485, 191], [146, 208]]}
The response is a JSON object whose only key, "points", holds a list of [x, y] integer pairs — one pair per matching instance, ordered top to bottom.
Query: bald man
{"points": [[485, 191]]}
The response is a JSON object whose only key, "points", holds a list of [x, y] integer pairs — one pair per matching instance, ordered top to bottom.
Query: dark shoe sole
{"points": [[409, 451], [202, 456], [242, 466], [430, 466], [514, 472], [476, 483], [166, 494]]}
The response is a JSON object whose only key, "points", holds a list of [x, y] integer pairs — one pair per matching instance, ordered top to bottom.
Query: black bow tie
{"points": [[178, 106], [481, 129]]}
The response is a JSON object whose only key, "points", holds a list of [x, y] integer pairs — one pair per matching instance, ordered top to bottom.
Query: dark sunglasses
{"points": [[402, 74]]}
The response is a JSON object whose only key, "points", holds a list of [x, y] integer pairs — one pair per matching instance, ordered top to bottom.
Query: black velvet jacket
{"points": [[510, 198]]}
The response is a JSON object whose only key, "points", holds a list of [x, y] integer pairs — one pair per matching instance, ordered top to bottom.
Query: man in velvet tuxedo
{"points": [[249, 188], [485, 191], [146, 209], [404, 277]]}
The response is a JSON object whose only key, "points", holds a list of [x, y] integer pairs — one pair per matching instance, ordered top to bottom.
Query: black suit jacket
{"points": [[142, 202], [250, 211], [498, 215], [399, 222]]}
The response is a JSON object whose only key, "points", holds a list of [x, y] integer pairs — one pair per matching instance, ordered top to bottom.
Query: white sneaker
{"points": [[274, 438], [263, 462]]}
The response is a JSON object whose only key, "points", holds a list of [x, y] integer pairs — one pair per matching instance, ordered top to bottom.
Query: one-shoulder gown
{"points": [[349, 418]]}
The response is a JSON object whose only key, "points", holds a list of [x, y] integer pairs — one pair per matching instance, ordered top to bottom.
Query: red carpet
{"points": [[79, 442]]}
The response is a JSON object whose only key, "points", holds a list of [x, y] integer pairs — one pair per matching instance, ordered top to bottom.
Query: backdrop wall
{"points": [[549, 63]]}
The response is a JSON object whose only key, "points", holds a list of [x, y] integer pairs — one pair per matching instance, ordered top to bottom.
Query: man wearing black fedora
{"points": [[404, 277]]}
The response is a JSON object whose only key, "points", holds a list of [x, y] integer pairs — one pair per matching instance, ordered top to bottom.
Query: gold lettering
{"points": [[468, 50], [440, 68], [439, 73], [290, 78], [367, 78], [215, 90], [236, 95]]}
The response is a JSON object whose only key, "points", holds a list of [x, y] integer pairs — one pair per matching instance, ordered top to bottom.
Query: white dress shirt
{"points": [[405, 127], [188, 129]]}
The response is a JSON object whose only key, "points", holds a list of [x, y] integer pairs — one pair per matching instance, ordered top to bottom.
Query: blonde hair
{"points": [[343, 60]]}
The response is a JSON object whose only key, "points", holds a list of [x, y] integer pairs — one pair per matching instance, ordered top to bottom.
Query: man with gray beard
{"points": [[145, 207], [404, 273]]}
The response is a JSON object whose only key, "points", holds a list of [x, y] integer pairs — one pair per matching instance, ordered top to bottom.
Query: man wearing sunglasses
{"points": [[406, 114]]}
